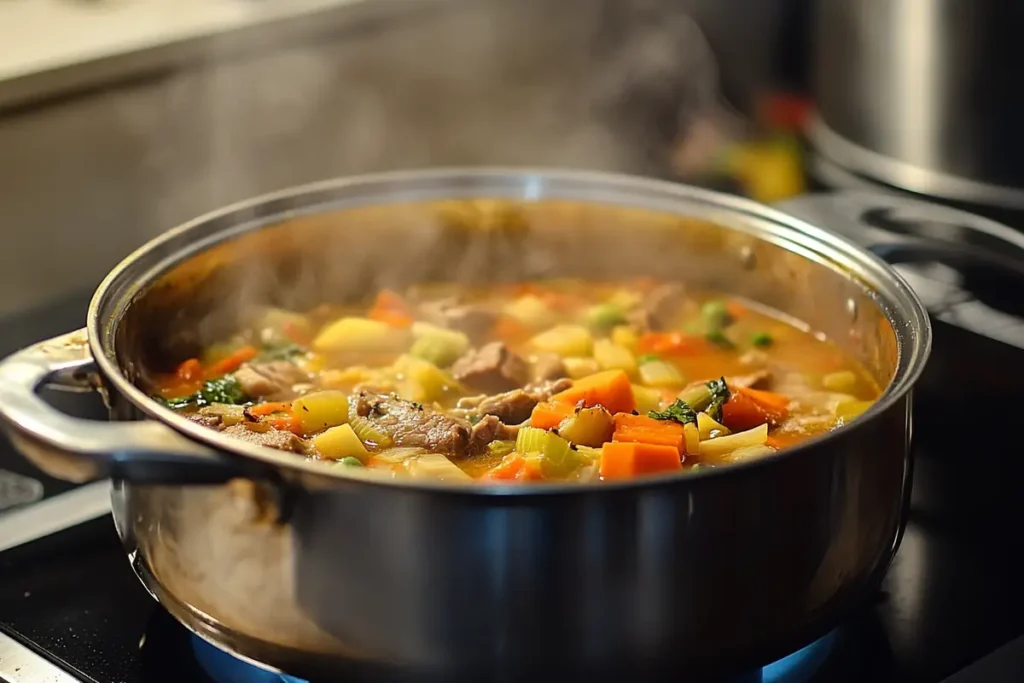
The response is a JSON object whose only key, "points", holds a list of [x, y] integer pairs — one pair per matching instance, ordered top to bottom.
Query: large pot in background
{"points": [[923, 96], [328, 573]]}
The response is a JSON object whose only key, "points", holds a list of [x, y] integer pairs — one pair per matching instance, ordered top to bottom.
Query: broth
{"points": [[554, 380]]}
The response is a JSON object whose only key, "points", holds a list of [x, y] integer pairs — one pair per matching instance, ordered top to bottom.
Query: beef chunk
{"points": [[658, 307], [471, 319], [547, 366], [491, 369], [273, 381], [513, 407], [415, 425], [489, 429], [263, 435]]}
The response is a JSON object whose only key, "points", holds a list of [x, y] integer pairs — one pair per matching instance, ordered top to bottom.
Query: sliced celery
{"points": [[421, 380], [558, 458]]}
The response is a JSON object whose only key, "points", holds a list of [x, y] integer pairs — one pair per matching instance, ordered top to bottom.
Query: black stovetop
{"points": [[953, 595]]}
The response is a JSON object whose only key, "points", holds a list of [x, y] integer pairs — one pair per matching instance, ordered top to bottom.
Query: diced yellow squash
{"points": [[361, 335], [625, 336], [565, 340], [436, 344], [611, 356], [577, 367], [660, 373], [420, 380], [843, 381], [647, 399], [321, 410], [706, 426], [588, 427], [340, 442], [719, 448], [434, 466]]}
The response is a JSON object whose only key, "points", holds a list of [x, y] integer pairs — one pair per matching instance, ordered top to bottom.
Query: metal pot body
{"points": [[917, 95], [327, 575]]}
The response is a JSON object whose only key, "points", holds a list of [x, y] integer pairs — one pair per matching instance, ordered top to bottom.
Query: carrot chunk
{"points": [[391, 308], [671, 344], [231, 362], [611, 389], [748, 408], [548, 415], [643, 429], [620, 460], [514, 467]]}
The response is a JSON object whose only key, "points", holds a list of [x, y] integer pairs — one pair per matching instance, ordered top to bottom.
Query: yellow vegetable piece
{"points": [[531, 311], [361, 335], [625, 336], [565, 340], [611, 356], [580, 367], [659, 373], [421, 380], [843, 381], [647, 399], [321, 410], [847, 411], [706, 425], [588, 427], [692, 436], [340, 442], [719, 448], [434, 466]]}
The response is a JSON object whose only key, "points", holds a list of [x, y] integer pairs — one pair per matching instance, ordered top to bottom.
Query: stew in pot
{"points": [[555, 380]]}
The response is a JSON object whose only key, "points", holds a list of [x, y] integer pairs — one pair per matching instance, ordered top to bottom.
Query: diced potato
{"points": [[531, 311], [361, 335], [625, 336], [565, 340], [436, 344], [611, 356], [580, 367], [659, 373], [420, 380], [843, 381], [647, 399], [321, 410], [846, 411], [588, 427], [708, 427], [692, 436], [340, 442], [719, 448], [434, 466]]}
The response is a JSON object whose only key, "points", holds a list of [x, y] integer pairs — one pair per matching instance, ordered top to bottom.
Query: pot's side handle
{"points": [[903, 230], [80, 450]]}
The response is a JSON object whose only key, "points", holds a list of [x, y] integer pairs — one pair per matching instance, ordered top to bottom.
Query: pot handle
{"points": [[901, 230], [78, 450]]}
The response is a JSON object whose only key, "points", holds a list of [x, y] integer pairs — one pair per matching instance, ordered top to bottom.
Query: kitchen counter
{"points": [[50, 46]]}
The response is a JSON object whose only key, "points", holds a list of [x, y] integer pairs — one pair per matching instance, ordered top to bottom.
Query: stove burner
{"points": [[222, 667], [226, 668]]}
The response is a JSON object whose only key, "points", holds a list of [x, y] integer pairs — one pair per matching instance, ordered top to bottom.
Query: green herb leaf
{"points": [[280, 351], [224, 389], [719, 395], [677, 412]]}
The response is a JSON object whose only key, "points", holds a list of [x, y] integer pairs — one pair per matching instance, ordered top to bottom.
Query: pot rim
{"points": [[899, 303]]}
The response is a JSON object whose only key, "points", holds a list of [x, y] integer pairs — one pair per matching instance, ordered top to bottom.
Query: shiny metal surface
{"points": [[921, 95], [315, 572], [19, 664]]}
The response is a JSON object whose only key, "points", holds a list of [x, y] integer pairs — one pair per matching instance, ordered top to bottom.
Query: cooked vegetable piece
{"points": [[390, 308], [532, 312], [715, 316], [603, 317], [361, 335], [625, 336], [565, 340], [761, 340], [671, 344], [438, 345], [611, 356], [232, 361], [581, 367], [659, 373], [421, 380], [843, 381], [610, 389], [220, 390], [720, 393], [647, 399], [747, 408], [320, 410], [848, 410], [677, 412], [549, 414], [587, 427], [709, 428], [643, 429], [368, 432], [691, 435], [340, 442], [501, 448], [717, 449], [557, 456], [620, 460], [435, 466], [516, 467]]}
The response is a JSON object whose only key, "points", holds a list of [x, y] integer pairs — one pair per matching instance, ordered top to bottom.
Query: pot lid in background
{"points": [[967, 269]]}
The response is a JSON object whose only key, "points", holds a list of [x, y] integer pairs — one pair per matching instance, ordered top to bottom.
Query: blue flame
{"points": [[801, 665], [225, 668]]}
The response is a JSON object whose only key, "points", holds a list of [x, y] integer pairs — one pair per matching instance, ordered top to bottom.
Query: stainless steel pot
{"points": [[921, 96], [329, 574]]}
